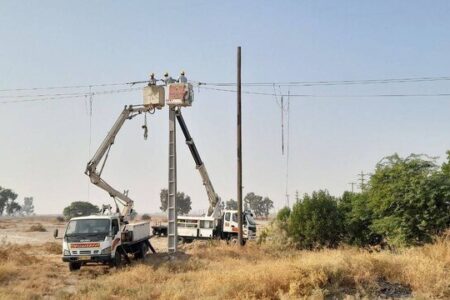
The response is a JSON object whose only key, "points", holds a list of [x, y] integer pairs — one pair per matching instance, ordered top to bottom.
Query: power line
{"points": [[333, 82], [288, 83], [72, 86], [71, 95], [57, 96], [329, 96]]}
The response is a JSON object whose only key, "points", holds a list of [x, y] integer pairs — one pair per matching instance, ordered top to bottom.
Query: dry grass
{"points": [[37, 228], [52, 247], [218, 271], [224, 272]]}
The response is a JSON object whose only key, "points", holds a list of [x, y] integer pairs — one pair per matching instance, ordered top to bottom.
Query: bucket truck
{"points": [[218, 223], [107, 238]]}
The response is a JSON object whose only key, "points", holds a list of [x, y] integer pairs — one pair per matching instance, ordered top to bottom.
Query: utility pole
{"points": [[239, 149], [362, 178], [352, 184], [172, 238]]}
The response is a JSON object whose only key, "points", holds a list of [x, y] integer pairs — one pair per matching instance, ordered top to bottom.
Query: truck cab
{"points": [[230, 224]]}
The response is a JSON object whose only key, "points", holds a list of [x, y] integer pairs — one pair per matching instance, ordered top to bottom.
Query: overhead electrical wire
{"points": [[332, 82], [291, 83], [71, 86], [218, 87], [328, 96], [49, 97]]}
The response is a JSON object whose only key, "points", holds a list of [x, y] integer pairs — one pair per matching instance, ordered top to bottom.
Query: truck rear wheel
{"points": [[143, 249], [117, 260], [73, 266]]}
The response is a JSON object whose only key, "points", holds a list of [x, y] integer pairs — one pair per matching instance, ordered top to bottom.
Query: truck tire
{"points": [[234, 241], [143, 249], [117, 260], [74, 266]]}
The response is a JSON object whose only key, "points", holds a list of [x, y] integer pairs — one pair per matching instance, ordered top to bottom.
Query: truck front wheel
{"points": [[73, 266]]}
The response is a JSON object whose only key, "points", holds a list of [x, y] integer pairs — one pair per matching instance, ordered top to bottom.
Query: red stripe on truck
{"points": [[84, 245]]}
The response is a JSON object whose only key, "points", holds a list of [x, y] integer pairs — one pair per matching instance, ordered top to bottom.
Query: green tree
{"points": [[446, 166], [410, 199], [183, 202], [253, 202], [8, 204], [231, 204], [28, 206], [261, 206], [266, 206], [80, 208], [357, 219], [315, 221]]}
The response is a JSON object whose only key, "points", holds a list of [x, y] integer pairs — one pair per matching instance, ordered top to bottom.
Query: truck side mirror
{"points": [[55, 233]]}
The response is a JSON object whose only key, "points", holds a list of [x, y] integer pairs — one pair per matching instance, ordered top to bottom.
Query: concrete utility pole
{"points": [[239, 148], [172, 238]]}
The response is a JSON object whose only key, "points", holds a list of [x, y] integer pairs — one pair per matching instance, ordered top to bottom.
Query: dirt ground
{"points": [[17, 231]]}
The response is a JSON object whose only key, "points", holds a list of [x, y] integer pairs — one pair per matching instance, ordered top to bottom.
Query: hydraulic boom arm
{"points": [[128, 112], [214, 200]]}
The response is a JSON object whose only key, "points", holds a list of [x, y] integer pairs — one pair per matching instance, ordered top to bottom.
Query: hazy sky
{"points": [[45, 145]]}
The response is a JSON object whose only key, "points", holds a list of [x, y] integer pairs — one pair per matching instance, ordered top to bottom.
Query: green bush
{"points": [[410, 199], [283, 214], [357, 219], [315, 221]]}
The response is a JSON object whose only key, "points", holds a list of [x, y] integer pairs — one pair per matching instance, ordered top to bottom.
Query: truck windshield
{"points": [[250, 220], [88, 226]]}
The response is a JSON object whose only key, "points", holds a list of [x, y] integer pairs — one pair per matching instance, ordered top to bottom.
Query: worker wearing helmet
{"points": [[182, 78], [168, 79], [152, 80]]}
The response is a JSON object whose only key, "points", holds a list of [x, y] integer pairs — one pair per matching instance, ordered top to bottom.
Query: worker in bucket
{"points": [[182, 78], [168, 79], [152, 80]]}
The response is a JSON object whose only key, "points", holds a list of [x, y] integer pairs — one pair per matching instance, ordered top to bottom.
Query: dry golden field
{"points": [[207, 270]]}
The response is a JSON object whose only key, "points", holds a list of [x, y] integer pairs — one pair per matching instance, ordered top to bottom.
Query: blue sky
{"points": [[45, 145]]}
